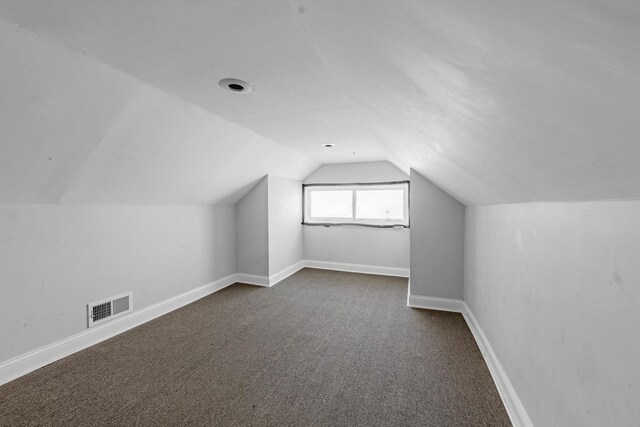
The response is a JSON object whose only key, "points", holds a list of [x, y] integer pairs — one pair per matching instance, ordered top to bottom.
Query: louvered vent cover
{"points": [[107, 309], [101, 311]]}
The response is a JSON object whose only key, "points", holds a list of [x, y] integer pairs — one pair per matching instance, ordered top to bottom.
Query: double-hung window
{"points": [[372, 205]]}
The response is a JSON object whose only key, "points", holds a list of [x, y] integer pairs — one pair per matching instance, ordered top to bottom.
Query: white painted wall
{"points": [[355, 173], [285, 223], [252, 231], [437, 241], [353, 244], [383, 247], [56, 259], [555, 287]]}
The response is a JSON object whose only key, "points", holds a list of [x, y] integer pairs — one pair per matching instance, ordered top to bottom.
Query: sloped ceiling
{"points": [[495, 101], [74, 130]]}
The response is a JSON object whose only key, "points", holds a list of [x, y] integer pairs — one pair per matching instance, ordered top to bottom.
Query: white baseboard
{"points": [[358, 268], [284, 273], [252, 279], [268, 281], [434, 303], [28, 362], [21, 365], [512, 402]]}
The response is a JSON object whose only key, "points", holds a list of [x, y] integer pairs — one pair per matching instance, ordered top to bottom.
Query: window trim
{"points": [[356, 184]]}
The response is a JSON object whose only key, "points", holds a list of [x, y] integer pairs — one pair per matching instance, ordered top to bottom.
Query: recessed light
{"points": [[235, 85], [328, 145]]}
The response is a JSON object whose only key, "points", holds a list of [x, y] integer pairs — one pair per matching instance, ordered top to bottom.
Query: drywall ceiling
{"points": [[493, 101], [74, 130]]}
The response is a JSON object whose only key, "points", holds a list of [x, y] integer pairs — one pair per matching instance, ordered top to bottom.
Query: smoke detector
{"points": [[235, 85]]}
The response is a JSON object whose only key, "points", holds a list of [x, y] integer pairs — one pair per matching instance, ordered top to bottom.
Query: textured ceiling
{"points": [[494, 101]]}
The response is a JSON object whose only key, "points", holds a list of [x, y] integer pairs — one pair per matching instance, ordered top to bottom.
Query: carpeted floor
{"points": [[321, 348]]}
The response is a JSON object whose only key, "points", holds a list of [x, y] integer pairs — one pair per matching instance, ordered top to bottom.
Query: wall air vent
{"points": [[109, 308]]}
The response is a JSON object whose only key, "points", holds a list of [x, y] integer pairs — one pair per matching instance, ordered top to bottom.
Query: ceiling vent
{"points": [[235, 85], [109, 308]]}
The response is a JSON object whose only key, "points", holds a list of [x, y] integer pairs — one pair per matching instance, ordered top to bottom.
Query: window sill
{"points": [[393, 226]]}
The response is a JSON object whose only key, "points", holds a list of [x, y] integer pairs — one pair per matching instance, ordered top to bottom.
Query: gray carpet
{"points": [[321, 348]]}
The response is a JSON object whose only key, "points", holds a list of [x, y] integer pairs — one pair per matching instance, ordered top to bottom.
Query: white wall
{"points": [[355, 173], [285, 223], [252, 231], [437, 241], [353, 244], [384, 247], [56, 259], [555, 287]]}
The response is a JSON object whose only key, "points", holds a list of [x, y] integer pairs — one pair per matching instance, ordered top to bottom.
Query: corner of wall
{"points": [[284, 224], [252, 231], [437, 270]]}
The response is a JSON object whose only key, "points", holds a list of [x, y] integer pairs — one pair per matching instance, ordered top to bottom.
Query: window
{"points": [[372, 205]]}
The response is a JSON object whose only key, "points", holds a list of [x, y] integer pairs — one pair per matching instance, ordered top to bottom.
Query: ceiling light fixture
{"points": [[235, 85], [328, 145]]}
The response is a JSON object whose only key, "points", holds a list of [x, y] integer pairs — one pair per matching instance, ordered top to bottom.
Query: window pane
{"points": [[331, 204], [380, 204]]}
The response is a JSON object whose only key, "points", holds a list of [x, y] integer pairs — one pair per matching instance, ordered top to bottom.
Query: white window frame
{"points": [[307, 219]]}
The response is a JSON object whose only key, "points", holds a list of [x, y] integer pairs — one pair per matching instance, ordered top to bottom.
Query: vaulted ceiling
{"points": [[494, 101]]}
